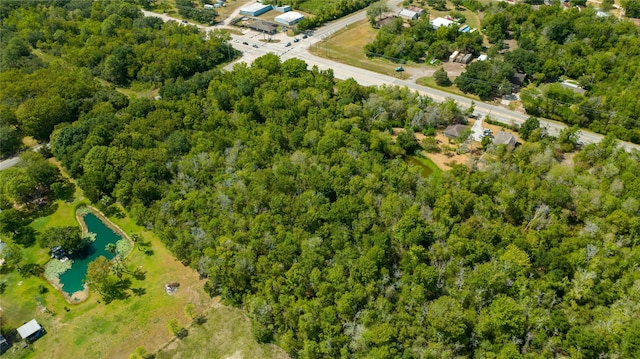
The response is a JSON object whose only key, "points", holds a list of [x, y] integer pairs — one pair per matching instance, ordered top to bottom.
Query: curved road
{"points": [[368, 78]]}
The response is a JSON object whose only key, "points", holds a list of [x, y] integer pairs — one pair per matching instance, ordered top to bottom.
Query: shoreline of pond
{"points": [[82, 295]]}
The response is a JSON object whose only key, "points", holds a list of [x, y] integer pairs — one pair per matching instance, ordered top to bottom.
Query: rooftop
{"points": [[289, 16], [440, 21], [29, 329]]}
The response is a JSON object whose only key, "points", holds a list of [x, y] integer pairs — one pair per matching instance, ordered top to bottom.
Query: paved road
{"points": [[368, 78], [10, 162]]}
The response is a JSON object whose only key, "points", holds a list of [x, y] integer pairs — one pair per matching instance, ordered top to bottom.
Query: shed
{"points": [[208, 6], [283, 8], [255, 9], [416, 9], [408, 14], [289, 18], [385, 20], [440, 21], [454, 55], [483, 57], [467, 58], [454, 131], [505, 138], [58, 252], [31, 331], [4, 344]]}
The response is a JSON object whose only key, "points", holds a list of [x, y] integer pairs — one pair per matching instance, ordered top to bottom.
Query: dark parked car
{"points": [[245, 43], [254, 45]]}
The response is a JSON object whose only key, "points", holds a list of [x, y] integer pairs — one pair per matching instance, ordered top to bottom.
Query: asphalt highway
{"points": [[256, 48]]}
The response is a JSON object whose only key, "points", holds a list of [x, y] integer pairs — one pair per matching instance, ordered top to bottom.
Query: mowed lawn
{"points": [[347, 46], [93, 329]]}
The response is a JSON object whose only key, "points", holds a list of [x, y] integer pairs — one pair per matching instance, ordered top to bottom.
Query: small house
{"points": [[408, 14], [440, 21], [263, 26], [454, 131], [505, 138], [31, 331]]}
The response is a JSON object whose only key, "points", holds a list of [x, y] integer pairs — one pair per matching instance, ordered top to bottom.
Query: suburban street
{"points": [[299, 50]]}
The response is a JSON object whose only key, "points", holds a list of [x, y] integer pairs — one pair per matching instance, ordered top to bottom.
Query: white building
{"points": [[255, 9], [408, 14], [289, 18], [440, 21]]}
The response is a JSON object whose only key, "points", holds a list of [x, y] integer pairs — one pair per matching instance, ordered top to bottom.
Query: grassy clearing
{"points": [[316, 6], [226, 11], [347, 46], [130, 93], [427, 163], [92, 329], [211, 339]]}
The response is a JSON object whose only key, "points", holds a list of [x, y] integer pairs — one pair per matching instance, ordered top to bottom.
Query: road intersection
{"points": [[299, 50]]}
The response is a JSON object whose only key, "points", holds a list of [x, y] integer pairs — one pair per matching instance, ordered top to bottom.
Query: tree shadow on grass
{"points": [[118, 291], [138, 292]]}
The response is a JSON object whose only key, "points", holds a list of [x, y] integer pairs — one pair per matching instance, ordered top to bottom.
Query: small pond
{"points": [[413, 161], [72, 280]]}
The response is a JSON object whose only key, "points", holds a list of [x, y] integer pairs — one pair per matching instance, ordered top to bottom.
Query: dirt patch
{"points": [[447, 156], [236, 355]]}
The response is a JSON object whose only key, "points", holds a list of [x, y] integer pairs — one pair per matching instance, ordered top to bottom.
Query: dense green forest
{"points": [[285, 189]]}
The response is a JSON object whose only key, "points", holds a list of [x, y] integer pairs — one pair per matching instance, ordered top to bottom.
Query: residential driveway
{"points": [[476, 129]]}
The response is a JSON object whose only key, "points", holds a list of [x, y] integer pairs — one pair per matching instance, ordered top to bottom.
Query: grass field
{"points": [[314, 6], [347, 46], [427, 163], [92, 329], [211, 339]]}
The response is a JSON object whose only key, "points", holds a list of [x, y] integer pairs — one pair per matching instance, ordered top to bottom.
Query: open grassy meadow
{"points": [[347, 46], [94, 329], [211, 339]]}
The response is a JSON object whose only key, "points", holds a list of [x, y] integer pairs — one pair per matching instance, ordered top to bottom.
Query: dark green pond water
{"points": [[424, 169], [72, 280]]}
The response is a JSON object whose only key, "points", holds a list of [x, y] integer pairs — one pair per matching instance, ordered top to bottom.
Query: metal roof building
{"points": [[255, 9], [289, 18], [31, 330]]}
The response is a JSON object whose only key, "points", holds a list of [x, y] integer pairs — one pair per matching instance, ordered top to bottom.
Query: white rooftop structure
{"points": [[255, 9], [408, 14], [289, 18], [440, 21], [483, 57], [29, 329]]}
